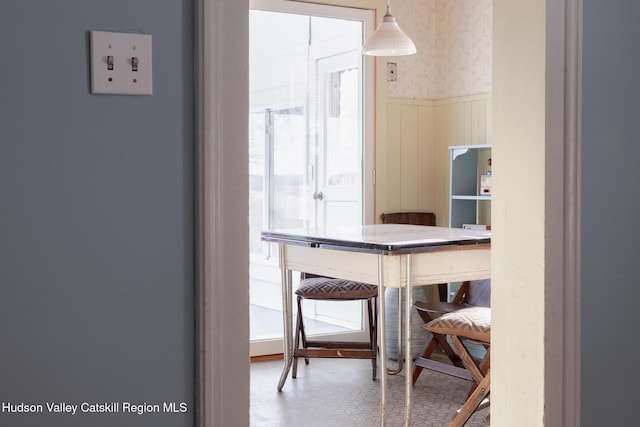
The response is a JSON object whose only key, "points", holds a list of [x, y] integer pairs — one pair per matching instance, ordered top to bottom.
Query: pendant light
{"points": [[388, 39]]}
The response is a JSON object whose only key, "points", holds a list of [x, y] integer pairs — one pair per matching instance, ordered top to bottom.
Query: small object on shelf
{"points": [[485, 184]]}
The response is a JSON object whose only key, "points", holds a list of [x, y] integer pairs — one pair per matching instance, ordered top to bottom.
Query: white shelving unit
{"points": [[466, 203]]}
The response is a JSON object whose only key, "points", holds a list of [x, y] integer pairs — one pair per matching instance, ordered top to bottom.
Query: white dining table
{"points": [[386, 255]]}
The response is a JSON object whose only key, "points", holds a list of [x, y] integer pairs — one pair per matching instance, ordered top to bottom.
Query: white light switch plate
{"points": [[122, 48]]}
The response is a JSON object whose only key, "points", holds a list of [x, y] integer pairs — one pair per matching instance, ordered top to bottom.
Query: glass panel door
{"points": [[306, 148]]}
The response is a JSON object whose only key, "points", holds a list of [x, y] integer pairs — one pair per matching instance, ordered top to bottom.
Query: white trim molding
{"points": [[222, 45], [562, 232]]}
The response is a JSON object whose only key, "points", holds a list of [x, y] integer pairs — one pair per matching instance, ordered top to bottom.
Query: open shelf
{"points": [[466, 203]]}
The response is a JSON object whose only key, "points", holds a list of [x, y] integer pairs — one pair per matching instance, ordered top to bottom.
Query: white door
{"points": [[307, 148], [339, 160]]}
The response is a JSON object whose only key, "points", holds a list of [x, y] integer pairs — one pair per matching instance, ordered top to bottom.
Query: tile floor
{"points": [[337, 393]]}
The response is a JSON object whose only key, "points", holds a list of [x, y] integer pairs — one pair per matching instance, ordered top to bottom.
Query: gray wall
{"points": [[611, 200], [96, 216]]}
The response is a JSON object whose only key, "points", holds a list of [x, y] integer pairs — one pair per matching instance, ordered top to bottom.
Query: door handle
{"points": [[317, 195]]}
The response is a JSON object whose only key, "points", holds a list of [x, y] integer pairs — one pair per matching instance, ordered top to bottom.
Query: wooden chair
{"points": [[415, 218], [315, 287], [470, 293], [470, 323]]}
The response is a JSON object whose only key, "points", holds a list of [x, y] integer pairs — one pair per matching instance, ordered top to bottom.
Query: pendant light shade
{"points": [[388, 39]]}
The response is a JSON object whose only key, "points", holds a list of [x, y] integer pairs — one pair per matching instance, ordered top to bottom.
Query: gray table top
{"points": [[380, 238]]}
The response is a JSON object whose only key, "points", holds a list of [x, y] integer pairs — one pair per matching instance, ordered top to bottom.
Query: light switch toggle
{"points": [[110, 63], [134, 63]]}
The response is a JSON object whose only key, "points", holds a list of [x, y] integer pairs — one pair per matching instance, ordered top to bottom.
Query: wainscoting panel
{"points": [[409, 156]]}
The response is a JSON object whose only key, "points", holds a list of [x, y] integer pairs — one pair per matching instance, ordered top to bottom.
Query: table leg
{"points": [[287, 314], [399, 338], [383, 346], [408, 383]]}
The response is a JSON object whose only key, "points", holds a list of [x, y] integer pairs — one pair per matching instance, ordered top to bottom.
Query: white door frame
{"points": [[563, 177], [222, 292]]}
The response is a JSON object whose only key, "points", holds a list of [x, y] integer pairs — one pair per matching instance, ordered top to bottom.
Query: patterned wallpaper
{"points": [[454, 43], [416, 73]]}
